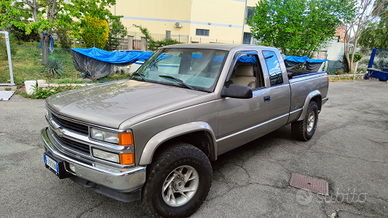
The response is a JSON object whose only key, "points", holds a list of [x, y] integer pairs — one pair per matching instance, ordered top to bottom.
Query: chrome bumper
{"points": [[324, 100], [91, 176]]}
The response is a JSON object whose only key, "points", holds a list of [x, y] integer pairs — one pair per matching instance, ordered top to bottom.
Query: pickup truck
{"points": [[152, 137]]}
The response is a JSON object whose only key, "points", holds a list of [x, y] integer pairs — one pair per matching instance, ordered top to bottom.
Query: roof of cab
{"points": [[226, 47]]}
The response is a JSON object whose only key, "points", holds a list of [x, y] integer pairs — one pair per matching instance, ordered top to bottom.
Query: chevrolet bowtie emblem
{"points": [[58, 132]]}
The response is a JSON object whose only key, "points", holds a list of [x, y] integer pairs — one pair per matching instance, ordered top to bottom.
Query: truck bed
{"points": [[315, 81]]}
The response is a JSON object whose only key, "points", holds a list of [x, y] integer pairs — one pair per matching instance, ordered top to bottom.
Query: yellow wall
{"points": [[155, 15], [223, 18]]}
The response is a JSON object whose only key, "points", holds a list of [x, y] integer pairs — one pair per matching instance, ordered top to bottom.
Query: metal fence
{"points": [[159, 37], [181, 38], [184, 39], [207, 40], [123, 44]]}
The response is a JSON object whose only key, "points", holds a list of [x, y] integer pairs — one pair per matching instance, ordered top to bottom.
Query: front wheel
{"points": [[304, 130], [178, 182]]}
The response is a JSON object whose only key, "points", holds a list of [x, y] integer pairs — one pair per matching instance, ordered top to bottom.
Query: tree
{"points": [[367, 12], [44, 16], [298, 27], [116, 30], [95, 32], [375, 34], [21, 35]]}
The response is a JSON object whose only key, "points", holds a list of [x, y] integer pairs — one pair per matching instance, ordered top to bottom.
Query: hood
{"points": [[110, 104]]}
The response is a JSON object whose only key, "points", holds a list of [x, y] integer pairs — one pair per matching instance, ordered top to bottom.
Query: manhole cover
{"points": [[309, 184]]}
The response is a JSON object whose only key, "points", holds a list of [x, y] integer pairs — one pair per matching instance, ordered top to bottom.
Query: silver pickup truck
{"points": [[152, 137]]}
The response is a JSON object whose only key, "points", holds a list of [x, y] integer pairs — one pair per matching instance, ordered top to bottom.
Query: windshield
{"points": [[196, 69]]}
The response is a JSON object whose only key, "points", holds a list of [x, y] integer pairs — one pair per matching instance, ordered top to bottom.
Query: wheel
{"points": [[382, 80], [304, 130], [178, 182]]}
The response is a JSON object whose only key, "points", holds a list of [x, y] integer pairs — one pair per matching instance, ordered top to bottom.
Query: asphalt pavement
{"points": [[349, 150]]}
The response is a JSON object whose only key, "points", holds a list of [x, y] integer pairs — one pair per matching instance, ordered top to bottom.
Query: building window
{"points": [[249, 14], [202, 32], [168, 34], [247, 38]]}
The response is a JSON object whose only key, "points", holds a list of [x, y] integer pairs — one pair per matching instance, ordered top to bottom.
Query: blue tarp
{"points": [[114, 57], [243, 59], [246, 59], [296, 59], [303, 59], [316, 61]]}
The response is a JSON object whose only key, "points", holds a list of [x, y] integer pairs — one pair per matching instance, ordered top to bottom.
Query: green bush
{"points": [[116, 30], [95, 32], [22, 36], [63, 40], [165, 42], [152, 44], [357, 56], [54, 67], [40, 93]]}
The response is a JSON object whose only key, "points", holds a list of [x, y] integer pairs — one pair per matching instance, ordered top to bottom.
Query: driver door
{"points": [[243, 120]]}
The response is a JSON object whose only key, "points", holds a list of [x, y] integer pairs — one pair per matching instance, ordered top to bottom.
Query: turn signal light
{"points": [[126, 138], [127, 159]]}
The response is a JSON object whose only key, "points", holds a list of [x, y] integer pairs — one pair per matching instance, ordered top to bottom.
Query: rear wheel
{"points": [[304, 130], [178, 182]]}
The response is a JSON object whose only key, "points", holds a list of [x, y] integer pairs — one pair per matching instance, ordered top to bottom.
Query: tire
{"points": [[382, 80], [304, 130], [181, 169]]}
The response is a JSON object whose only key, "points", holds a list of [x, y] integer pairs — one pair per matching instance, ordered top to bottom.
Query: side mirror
{"points": [[237, 91]]}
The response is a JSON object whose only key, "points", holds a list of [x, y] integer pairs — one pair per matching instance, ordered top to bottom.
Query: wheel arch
{"points": [[312, 96], [199, 134]]}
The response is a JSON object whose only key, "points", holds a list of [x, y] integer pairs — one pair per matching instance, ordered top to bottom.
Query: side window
{"points": [[273, 66], [247, 72]]}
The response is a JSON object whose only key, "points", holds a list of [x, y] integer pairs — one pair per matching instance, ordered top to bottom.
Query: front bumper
{"points": [[123, 185]]}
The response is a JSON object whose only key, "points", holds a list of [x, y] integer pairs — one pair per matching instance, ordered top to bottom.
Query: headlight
{"points": [[104, 135], [113, 137], [106, 155]]}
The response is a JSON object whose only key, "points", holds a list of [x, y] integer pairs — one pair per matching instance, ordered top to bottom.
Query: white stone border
{"points": [[350, 76], [43, 84]]}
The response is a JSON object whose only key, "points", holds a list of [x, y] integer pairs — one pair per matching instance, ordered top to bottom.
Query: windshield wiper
{"points": [[141, 76], [178, 80]]}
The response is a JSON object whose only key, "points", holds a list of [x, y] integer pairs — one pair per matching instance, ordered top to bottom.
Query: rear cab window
{"points": [[273, 66]]}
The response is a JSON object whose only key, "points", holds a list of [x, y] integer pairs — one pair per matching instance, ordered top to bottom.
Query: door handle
{"points": [[267, 98]]}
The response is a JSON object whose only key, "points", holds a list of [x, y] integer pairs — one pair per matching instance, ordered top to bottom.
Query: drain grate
{"points": [[309, 184]]}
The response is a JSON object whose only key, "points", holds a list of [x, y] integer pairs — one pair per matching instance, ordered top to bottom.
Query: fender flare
{"points": [[310, 96], [165, 135]]}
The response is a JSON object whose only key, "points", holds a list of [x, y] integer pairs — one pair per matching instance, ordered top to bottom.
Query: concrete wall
{"points": [[335, 51]]}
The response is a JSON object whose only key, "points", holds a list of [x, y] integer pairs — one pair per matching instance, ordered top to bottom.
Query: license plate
{"points": [[52, 164]]}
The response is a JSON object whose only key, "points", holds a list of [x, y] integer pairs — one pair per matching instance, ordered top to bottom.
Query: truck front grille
{"points": [[79, 128], [79, 147]]}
